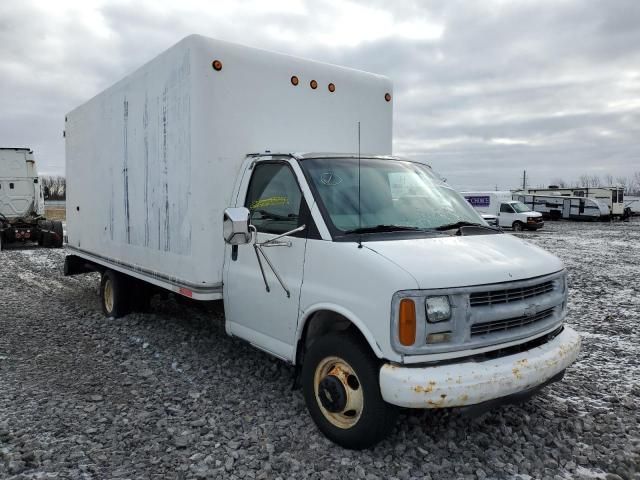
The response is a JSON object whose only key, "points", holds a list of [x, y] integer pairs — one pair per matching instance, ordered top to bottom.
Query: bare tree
{"points": [[608, 179], [584, 180], [622, 181], [559, 182], [634, 183], [54, 187]]}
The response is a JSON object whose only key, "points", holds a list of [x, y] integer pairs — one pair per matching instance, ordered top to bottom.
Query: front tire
{"points": [[517, 226], [113, 294], [340, 383]]}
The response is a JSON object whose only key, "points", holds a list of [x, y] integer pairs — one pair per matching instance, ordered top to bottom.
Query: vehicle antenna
{"points": [[359, 208]]}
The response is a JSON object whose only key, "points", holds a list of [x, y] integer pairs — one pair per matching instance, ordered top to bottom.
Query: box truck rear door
{"points": [[268, 318]]}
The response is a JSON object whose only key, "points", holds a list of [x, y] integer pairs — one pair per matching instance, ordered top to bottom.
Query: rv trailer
{"points": [[613, 197], [555, 207]]}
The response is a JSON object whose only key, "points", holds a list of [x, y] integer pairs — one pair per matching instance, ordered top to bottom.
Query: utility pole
{"points": [[524, 180]]}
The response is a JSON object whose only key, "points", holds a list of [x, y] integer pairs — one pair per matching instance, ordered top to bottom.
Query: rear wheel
{"points": [[517, 226], [58, 234], [113, 294], [342, 392]]}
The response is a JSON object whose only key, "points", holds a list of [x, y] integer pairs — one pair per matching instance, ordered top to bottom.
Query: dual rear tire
{"points": [[51, 234], [121, 294]]}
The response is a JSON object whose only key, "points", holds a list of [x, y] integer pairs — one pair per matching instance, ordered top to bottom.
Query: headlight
{"points": [[438, 309]]}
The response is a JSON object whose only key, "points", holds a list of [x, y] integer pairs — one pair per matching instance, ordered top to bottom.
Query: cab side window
{"points": [[274, 198], [505, 208]]}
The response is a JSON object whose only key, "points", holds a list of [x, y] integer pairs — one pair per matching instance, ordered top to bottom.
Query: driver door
{"points": [[506, 215], [267, 318]]}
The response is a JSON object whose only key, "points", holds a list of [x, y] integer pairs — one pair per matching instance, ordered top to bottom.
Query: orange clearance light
{"points": [[217, 65], [294, 81], [314, 84], [332, 87], [387, 97], [407, 322]]}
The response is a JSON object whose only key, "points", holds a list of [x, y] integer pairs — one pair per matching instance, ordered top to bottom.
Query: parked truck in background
{"points": [[22, 202], [509, 212], [368, 273]]}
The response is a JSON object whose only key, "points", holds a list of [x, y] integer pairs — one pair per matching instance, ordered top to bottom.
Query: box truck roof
{"points": [[152, 160]]}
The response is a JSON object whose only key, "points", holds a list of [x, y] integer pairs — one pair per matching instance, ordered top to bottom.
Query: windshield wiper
{"points": [[275, 216], [451, 226], [384, 228]]}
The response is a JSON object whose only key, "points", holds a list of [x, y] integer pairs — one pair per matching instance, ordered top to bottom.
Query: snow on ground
{"points": [[168, 395]]}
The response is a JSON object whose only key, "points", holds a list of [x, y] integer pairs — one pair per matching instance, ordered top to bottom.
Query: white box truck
{"points": [[22, 203], [510, 213], [375, 279]]}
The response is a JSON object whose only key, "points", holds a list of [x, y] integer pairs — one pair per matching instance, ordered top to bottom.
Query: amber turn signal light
{"points": [[407, 322]]}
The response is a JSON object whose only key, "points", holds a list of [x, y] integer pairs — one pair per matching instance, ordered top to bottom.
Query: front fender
{"points": [[346, 313]]}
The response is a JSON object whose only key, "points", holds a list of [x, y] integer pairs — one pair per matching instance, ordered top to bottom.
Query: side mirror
{"points": [[235, 226]]}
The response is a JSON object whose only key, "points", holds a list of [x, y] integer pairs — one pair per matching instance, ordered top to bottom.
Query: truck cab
{"points": [[22, 202], [516, 215], [387, 289]]}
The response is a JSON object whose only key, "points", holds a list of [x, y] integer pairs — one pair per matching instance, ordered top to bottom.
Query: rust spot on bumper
{"points": [[425, 389]]}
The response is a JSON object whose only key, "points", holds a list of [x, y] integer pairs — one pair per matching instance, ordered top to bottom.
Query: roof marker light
{"points": [[217, 65], [294, 81], [314, 84], [332, 87], [387, 97]]}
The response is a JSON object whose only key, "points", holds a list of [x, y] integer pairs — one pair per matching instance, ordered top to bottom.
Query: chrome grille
{"points": [[493, 297], [510, 323]]}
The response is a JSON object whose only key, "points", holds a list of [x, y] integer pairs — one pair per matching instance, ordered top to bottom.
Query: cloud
{"points": [[483, 90]]}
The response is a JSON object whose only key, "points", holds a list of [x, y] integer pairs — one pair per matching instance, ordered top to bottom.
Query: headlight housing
{"points": [[438, 309]]}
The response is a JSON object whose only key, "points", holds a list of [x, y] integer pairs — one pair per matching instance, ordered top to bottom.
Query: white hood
{"points": [[452, 261]]}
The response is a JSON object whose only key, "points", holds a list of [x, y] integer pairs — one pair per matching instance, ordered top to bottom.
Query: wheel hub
{"points": [[108, 296], [338, 392], [332, 394]]}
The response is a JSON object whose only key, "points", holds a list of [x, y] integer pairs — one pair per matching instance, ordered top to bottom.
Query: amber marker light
{"points": [[217, 65], [294, 81], [314, 84], [332, 87], [387, 97], [407, 322]]}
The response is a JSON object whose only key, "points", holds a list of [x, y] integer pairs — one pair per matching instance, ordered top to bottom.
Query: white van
{"points": [[511, 213], [374, 278]]}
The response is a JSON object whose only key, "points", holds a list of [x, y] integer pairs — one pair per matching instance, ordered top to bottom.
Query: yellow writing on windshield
{"points": [[269, 202]]}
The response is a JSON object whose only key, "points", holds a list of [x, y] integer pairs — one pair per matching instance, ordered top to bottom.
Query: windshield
{"points": [[395, 195], [520, 207]]}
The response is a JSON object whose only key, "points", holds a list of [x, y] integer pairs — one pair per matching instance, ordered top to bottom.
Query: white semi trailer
{"points": [[22, 202], [375, 279]]}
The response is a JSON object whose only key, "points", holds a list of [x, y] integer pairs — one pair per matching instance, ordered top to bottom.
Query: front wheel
{"points": [[517, 226], [340, 383]]}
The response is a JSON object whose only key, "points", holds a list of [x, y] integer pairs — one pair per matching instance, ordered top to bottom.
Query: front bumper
{"points": [[535, 225], [472, 382]]}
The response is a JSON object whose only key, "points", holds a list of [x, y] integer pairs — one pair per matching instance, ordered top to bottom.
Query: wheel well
{"points": [[320, 323]]}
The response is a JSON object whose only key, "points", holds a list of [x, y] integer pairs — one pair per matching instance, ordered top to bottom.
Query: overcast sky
{"points": [[483, 89]]}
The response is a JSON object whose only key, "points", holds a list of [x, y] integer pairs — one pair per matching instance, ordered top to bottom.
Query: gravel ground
{"points": [[168, 395]]}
